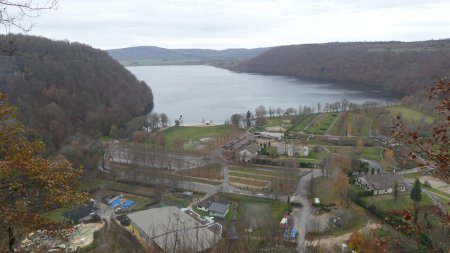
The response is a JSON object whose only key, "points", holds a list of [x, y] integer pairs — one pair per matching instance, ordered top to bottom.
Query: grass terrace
{"points": [[322, 123]]}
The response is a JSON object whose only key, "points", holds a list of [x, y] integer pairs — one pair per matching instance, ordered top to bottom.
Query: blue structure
{"points": [[119, 202]]}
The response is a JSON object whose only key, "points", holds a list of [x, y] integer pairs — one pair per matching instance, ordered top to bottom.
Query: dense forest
{"points": [[149, 55], [404, 67], [64, 89]]}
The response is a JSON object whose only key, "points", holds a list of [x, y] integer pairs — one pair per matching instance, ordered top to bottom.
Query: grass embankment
{"points": [[409, 114], [303, 121], [322, 123], [283, 181]]}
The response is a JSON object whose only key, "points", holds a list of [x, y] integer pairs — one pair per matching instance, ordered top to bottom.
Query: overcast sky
{"points": [[221, 24]]}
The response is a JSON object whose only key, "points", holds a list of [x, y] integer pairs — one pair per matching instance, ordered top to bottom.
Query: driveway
{"points": [[300, 214]]}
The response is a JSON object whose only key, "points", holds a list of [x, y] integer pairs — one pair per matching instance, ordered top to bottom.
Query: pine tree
{"points": [[395, 190], [416, 191]]}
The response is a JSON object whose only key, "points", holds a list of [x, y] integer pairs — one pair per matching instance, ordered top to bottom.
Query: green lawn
{"points": [[409, 114], [322, 123], [187, 134], [373, 153], [412, 175], [323, 189], [437, 191], [388, 203], [277, 208], [232, 211], [199, 212], [58, 214]]}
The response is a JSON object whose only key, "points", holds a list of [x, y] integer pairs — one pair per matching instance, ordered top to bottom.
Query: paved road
{"points": [[300, 214]]}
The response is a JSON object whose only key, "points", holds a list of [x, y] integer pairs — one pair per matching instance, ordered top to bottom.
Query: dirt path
{"points": [[330, 242]]}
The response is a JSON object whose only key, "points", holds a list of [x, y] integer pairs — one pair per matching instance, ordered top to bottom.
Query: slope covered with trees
{"points": [[149, 55], [403, 67], [64, 88]]}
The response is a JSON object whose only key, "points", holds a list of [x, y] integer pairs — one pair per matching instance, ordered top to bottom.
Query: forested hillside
{"points": [[149, 55], [404, 67], [64, 88]]}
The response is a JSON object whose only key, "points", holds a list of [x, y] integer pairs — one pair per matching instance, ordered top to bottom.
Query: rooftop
{"points": [[384, 180], [206, 203], [218, 208], [166, 225]]}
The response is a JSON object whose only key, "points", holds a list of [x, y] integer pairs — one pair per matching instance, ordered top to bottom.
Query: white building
{"points": [[290, 149]]}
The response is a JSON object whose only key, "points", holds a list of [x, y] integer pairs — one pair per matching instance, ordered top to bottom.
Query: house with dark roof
{"points": [[382, 183], [215, 205], [218, 210]]}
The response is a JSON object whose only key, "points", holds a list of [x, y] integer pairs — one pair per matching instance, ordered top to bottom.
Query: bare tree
{"points": [[14, 12], [164, 119]]}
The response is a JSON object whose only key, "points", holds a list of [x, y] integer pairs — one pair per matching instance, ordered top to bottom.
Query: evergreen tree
{"points": [[395, 190], [416, 191]]}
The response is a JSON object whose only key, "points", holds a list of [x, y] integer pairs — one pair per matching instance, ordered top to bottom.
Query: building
{"points": [[270, 135], [291, 149], [248, 152], [382, 183], [218, 210], [82, 213], [173, 230]]}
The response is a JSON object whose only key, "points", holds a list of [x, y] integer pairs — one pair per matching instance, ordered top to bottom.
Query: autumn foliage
{"points": [[435, 149], [29, 184]]}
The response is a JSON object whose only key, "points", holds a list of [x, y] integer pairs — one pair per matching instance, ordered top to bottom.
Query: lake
{"points": [[207, 93]]}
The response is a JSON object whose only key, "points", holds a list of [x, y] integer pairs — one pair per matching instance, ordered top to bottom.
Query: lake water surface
{"points": [[204, 92]]}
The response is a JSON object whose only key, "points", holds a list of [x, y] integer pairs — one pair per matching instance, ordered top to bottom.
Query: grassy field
{"points": [[409, 114], [282, 121], [303, 121], [322, 123], [187, 134], [313, 157], [213, 171], [323, 189], [388, 203], [277, 209], [58, 214]]}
